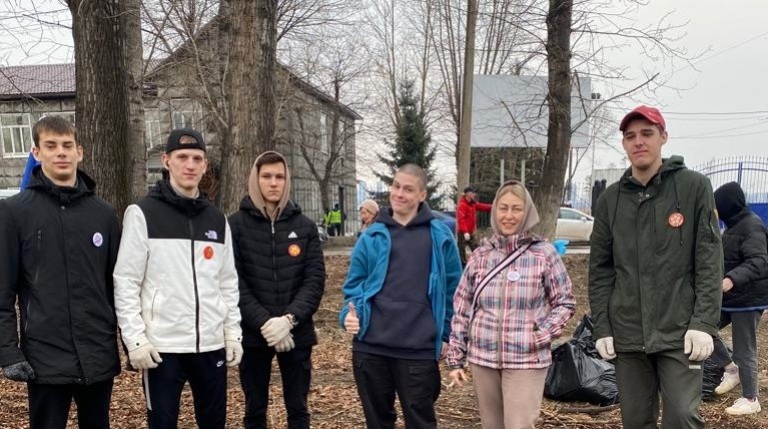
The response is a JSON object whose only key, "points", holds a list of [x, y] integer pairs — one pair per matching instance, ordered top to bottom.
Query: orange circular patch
{"points": [[676, 220], [294, 250], [208, 252]]}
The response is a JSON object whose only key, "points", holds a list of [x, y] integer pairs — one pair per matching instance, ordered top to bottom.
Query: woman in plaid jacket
{"points": [[506, 314]]}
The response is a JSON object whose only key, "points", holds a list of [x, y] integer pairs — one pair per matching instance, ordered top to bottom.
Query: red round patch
{"points": [[676, 220], [294, 250], [208, 252]]}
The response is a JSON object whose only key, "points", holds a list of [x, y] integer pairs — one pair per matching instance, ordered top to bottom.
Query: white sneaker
{"points": [[728, 383], [744, 406]]}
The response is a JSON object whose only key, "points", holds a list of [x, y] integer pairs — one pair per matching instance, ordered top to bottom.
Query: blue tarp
{"points": [[31, 163]]}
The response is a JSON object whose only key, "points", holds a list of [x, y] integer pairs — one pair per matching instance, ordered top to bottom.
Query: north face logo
{"points": [[211, 235], [293, 235]]}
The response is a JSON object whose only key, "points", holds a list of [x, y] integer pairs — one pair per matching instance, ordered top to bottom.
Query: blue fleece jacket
{"points": [[368, 270]]}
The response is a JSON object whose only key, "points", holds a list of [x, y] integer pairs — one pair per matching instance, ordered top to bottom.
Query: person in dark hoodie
{"points": [[58, 244], [282, 278], [654, 278], [176, 291], [745, 296], [398, 303]]}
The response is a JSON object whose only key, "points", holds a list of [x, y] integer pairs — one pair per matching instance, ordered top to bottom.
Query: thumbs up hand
{"points": [[351, 322]]}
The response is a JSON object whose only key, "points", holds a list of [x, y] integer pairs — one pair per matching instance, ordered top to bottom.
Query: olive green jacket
{"points": [[650, 280]]}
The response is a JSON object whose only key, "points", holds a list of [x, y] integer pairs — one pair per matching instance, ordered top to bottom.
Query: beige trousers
{"points": [[508, 398]]}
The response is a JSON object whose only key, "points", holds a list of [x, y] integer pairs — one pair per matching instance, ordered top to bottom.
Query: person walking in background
{"points": [[368, 212], [466, 219], [333, 220], [58, 245], [282, 277], [655, 278], [176, 291], [745, 296], [398, 304], [509, 351]]}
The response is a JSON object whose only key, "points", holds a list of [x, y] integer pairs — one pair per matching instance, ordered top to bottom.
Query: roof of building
{"points": [[39, 81]]}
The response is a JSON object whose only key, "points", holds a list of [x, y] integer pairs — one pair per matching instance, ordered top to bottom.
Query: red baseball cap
{"points": [[651, 114]]}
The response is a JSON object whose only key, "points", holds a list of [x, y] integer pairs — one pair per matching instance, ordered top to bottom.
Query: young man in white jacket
{"points": [[176, 291]]}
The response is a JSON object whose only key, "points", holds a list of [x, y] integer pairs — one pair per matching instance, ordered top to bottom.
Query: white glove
{"points": [[467, 236], [276, 329], [698, 344], [286, 345], [604, 346], [234, 352], [144, 357]]}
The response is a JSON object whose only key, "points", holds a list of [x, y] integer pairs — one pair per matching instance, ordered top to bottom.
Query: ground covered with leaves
{"points": [[333, 399]]}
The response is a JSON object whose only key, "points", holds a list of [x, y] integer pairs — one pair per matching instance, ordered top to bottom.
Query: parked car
{"points": [[5, 193], [448, 219], [573, 225]]}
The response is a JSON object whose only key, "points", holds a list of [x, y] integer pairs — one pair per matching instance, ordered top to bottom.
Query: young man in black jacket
{"points": [[58, 245], [282, 277], [745, 296]]}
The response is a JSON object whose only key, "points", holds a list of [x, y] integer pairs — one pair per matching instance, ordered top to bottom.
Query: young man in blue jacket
{"points": [[398, 302]]}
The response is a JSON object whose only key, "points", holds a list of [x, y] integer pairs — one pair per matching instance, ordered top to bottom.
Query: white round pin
{"points": [[98, 239], [513, 276]]}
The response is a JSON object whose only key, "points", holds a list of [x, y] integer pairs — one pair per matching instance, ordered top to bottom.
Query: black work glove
{"points": [[19, 371]]}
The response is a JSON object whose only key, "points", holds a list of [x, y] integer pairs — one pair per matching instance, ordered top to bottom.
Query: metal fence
{"points": [[751, 172]]}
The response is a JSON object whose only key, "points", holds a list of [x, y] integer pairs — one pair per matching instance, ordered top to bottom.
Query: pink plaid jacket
{"points": [[518, 313]]}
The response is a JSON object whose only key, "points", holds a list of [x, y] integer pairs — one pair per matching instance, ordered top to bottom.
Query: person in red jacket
{"points": [[465, 221]]}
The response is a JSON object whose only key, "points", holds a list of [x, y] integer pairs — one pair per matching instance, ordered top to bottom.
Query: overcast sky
{"points": [[716, 108], [721, 109]]}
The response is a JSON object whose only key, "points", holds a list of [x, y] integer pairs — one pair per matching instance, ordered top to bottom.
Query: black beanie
{"points": [[174, 140]]}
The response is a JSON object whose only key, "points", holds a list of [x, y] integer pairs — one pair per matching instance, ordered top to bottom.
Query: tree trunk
{"points": [[134, 60], [249, 93], [102, 98], [464, 149], [549, 194]]}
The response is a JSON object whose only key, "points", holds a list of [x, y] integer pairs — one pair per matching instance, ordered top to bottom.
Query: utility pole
{"points": [[465, 128]]}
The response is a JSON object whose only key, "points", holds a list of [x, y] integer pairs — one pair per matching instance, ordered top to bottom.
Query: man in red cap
{"points": [[654, 278]]}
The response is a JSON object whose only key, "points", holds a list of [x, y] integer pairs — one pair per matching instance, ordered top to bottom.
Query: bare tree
{"points": [[100, 32]]}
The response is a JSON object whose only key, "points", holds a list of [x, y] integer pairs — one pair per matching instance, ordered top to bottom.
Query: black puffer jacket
{"points": [[58, 247], [744, 250], [281, 270]]}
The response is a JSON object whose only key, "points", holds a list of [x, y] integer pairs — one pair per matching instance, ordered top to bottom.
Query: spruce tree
{"points": [[412, 145]]}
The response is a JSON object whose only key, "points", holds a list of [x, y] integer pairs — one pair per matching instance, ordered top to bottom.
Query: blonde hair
{"points": [[515, 189]]}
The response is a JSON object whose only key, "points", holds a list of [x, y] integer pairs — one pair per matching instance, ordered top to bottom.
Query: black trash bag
{"points": [[578, 373], [713, 374]]}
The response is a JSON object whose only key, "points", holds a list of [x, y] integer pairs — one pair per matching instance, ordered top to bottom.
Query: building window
{"points": [[186, 114], [69, 116], [152, 127], [16, 134]]}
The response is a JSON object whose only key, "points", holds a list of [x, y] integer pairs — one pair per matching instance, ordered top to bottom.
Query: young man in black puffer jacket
{"points": [[282, 277], [745, 295]]}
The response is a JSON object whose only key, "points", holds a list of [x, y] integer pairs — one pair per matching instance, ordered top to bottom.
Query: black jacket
{"points": [[57, 250], [745, 252], [281, 270]]}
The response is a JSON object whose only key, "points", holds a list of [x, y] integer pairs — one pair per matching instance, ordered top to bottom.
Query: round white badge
{"points": [[98, 239], [513, 276]]}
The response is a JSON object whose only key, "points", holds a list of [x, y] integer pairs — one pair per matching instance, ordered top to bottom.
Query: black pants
{"points": [[335, 230], [472, 243], [295, 372], [207, 376], [416, 382], [49, 405]]}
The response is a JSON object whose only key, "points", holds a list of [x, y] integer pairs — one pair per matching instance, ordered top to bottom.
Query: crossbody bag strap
{"points": [[494, 272]]}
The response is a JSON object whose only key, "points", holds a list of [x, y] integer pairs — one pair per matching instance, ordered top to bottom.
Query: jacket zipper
{"points": [[274, 261], [37, 274], [194, 281]]}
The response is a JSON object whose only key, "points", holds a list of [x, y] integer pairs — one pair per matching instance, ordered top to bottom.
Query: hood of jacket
{"points": [[668, 165], [164, 191], [254, 191], [63, 194], [730, 202], [423, 216], [531, 216]]}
